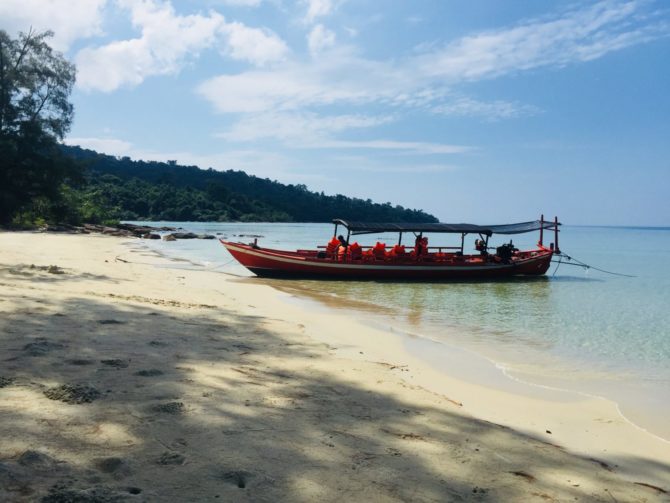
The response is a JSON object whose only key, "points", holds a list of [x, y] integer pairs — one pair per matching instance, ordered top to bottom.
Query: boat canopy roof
{"points": [[375, 227]]}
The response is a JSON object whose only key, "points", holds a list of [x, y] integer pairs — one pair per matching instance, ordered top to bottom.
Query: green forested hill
{"points": [[120, 188]]}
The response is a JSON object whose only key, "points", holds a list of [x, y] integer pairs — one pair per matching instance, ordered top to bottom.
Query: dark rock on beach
{"points": [[184, 235]]}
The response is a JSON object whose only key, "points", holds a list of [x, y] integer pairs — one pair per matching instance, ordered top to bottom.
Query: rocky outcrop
{"points": [[127, 230]]}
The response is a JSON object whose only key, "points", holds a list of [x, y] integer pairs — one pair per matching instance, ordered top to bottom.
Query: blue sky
{"points": [[484, 112]]}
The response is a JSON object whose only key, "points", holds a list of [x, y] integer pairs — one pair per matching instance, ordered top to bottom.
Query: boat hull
{"points": [[306, 264]]}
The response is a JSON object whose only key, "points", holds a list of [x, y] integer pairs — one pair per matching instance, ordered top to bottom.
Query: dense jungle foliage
{"points": [[43, 181], [124, 189]]}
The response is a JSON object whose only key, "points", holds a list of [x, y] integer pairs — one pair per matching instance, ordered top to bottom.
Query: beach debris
{"points": [[169, 237], [41, 347], [116, 363], [149, 373], [5, 381], [73, 393], [170, 408], [548, 431], [404, 436], [171, 458], [602, 464], [522, 474], [650, 486]]}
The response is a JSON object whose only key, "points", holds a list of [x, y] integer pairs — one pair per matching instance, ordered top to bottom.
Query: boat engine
{"points": [[506, 251]]}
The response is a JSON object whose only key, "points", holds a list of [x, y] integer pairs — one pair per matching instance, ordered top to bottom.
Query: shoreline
{"points": [[256, 374], [599, 385]]}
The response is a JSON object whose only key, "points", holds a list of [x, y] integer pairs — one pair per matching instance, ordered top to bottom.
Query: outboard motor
{"points": [[506, 251]]}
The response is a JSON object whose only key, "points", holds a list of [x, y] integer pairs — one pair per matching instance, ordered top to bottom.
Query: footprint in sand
{"points": [[110, 322], [41, 347], [80, 361], [117, 363], [149, 373], [5, 381], [73, 393], [174, 408], [171, 458], [117, 467], [237, 477]]}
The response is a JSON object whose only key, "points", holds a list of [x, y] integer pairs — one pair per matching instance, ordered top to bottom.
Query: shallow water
{"points": [[575, 329]]}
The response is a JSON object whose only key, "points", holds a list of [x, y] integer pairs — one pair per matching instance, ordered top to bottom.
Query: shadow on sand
{"points": [[201, 404]]}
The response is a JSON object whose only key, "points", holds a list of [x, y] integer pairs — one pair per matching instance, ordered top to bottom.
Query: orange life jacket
{"points": [[332, 245], [355, 250], [379, 250]]}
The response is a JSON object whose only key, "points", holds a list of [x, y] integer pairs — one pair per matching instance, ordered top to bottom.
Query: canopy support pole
{"points": [[541, 230], [557, 249]]}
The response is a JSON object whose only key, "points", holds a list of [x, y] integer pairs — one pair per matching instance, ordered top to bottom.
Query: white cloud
{"points": [[242, 3], [318, 8], [68, 19], [578, 35], [320, 38], [167, 42], [255, 45], [342, 77], [424, 80], [490, 111], [297, 129], [408, 146]]}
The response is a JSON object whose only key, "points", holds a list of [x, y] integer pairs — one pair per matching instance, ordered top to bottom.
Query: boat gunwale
{"points": [[416, 265]]}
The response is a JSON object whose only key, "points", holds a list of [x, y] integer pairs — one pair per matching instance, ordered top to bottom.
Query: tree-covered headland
{"points": [[44, 181]]}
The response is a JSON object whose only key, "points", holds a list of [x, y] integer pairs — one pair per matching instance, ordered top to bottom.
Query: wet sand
{"points": [[124, 381]]}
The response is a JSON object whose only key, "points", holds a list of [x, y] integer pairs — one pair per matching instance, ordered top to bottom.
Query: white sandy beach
{"points": [[195, 386]]}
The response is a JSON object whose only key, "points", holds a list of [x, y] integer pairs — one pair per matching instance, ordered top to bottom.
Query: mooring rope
{"points": [[579, 263]]}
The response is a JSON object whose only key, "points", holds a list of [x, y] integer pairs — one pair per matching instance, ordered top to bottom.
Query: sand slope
{"points": [[181, 389]]}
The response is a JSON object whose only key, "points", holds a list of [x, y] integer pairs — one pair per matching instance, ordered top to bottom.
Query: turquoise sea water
{"points": [[572, 329]]}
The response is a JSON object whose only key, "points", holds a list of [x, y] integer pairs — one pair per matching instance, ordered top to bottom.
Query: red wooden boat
{"points": [[417, 262]]}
